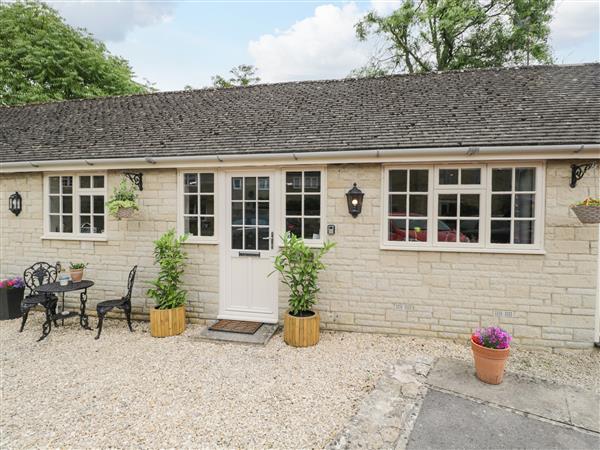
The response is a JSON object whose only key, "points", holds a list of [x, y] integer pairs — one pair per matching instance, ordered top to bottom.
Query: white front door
{"points": [[247, 290]]}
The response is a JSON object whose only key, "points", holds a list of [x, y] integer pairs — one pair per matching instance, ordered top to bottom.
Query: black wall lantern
{"points": [[355, 199], [15, 203]]}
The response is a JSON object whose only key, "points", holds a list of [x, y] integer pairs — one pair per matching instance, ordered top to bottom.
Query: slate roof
{"points": [[539, 105]]}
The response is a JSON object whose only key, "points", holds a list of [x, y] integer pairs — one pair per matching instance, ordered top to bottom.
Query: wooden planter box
{"points": [[10, 303], [167, 322], [301, 331]]}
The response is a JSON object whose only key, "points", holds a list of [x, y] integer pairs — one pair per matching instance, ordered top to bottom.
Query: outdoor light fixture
{"points": [[355, 199], [15, 203]]}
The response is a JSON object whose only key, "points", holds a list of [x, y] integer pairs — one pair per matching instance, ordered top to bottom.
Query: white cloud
{"points": [[385, 7], [110, 20], [575, 20], [318, 47]]}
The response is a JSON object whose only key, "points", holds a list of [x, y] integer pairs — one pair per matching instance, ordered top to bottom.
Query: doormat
{"points": [[236, 326]]}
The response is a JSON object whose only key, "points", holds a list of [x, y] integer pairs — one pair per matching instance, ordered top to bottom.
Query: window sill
{"points": [[74, 238], [525, 251]]}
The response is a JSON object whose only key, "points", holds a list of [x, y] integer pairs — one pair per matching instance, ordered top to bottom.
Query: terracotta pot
{"points": [[76, 275], [167, 322], [301, 331], [489, 362]]}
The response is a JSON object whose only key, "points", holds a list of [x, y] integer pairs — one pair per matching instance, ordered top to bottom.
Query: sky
{"points": [[179, 43]]}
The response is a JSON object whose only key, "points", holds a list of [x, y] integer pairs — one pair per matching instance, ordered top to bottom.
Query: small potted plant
{"points": [[123, 202], [587, 211], [299, 266], [76, 271], [11, 296], [167, 318], [491, 347]]}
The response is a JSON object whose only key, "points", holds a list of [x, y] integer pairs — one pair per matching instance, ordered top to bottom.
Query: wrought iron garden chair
{"points": [[34, 276], [123, 303]]}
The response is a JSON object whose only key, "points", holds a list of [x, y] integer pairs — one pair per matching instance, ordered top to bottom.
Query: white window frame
{"points": [[485, 190], [77, 191], [322, 225], [214, 239]]}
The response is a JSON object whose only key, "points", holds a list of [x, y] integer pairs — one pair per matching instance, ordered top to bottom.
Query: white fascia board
{"points": [[416, 155]]}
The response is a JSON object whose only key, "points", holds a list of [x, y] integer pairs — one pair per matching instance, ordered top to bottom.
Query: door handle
{"points": [[270, 239], [254, 254]]}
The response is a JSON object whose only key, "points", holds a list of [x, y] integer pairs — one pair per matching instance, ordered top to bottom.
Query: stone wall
{"points": [[544, 300]]}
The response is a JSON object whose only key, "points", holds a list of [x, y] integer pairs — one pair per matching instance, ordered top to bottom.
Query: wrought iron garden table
{"points": [[56, 288]]}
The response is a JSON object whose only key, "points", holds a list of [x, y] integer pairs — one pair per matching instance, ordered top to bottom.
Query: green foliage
{"points": [[437, 35], [44, 59], [243, 75], [124, 196], [589, 201], [169, 255], [77, 266], [299, 266]]}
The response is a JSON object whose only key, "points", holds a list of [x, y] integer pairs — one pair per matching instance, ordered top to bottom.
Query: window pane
{"points": [[448, 176], [470, 176], [525, 179], [419, 180], [501, 180], [98, 181], [293, 181], [312, 181], [397, 181], [85, 182], [190, 182], [207, 182], [55, 185], [67, 185], [236, 188], [249, 188], [263, 188], [55, 204], [67, 204], [85, 204], [98, 204], [190, 204], [207, 204], [293, 205], [312, 205], [397, 205], [447, 205], [469, 205], [501, 205], [524, 205], [418, 206], [237, 213], [249, 213], [263, 213], [67, 223], [55, 224], [85, 224], [98, 224], [190, 225], [293, 225], [207, 226], [312, 228], [397, 230], [417, 230], [446, 230], [469, 231], [500, 231], [523, 232], [237, 238], [250, 238], [263, 238]]}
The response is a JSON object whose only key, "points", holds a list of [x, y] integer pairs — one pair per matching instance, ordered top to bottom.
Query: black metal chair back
{"points": [[38, 274], [130, 281]]}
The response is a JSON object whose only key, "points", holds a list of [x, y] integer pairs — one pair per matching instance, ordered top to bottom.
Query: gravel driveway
{"points": [[131, 390]]}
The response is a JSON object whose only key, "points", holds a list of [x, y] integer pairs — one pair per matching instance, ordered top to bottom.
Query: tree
{"points": [[437, 35], [44, 59], [243, 75]]}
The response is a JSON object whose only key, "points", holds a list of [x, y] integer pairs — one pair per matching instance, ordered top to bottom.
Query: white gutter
{"points": [[572, 151]]}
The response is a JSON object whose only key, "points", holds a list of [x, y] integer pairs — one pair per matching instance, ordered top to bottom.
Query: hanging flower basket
{"points": [[588, 211], [124, 213]]}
